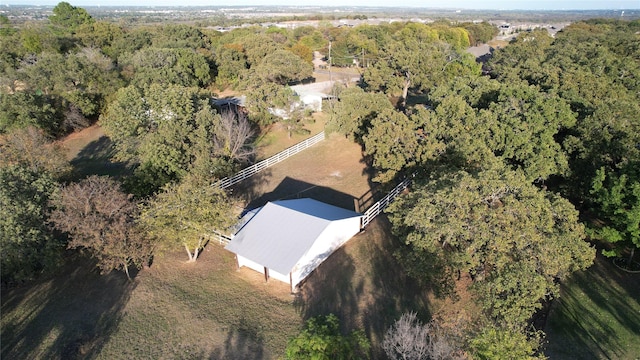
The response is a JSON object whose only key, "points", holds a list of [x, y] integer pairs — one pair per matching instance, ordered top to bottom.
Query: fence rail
{"points": [[259, 166], [377, 208], [221, 238]]}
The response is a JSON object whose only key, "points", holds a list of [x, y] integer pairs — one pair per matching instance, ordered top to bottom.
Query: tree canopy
{"points": [[69, 17], [164, 130], [186, 213], [100, 218], [501, 230], [29, 247], [321, 339]]}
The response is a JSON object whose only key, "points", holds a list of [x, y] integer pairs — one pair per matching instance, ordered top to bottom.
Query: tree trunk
{"points": [[405, 89], [633, 251], [191, 258], [126, 271]]}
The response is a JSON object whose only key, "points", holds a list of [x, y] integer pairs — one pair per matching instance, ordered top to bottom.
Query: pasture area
{"points": [[209, 309], [597, 315]]}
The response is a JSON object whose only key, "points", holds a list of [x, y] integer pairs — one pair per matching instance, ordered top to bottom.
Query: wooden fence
{"points": [[259, 166], [377, 208], [221, 238]]}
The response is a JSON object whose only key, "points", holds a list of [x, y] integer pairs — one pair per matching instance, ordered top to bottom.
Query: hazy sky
{"points": [[459, 4]]}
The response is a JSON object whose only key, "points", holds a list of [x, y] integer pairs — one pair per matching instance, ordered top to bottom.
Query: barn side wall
{"points": [[335, 235], [242, 261]]}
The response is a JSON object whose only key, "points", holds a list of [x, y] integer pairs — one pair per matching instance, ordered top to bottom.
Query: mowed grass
{"points": [[91, 152], [210, 309], [172, 310], [203, 310], [597, 315]]}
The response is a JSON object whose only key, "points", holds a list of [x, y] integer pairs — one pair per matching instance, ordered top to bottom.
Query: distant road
{"points": [[340, 74]]}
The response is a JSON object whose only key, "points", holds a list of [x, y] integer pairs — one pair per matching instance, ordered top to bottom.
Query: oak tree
{"points": [[617, 204], [184, 213], [100, 218], [514, 239], [28, 245]]}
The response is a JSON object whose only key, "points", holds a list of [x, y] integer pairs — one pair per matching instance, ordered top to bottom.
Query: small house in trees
{"points": [[311, 95], [286, 240]]}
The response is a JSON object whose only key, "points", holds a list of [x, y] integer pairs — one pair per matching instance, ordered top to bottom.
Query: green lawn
{"points": [[91, 152], [210, 309], [172, 310], [597, 315]]}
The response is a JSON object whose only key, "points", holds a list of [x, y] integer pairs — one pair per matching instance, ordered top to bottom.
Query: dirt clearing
{"points": [[332, 171]]}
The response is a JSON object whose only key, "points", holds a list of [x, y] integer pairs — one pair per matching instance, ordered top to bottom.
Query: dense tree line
{"points": [[496, 158]]}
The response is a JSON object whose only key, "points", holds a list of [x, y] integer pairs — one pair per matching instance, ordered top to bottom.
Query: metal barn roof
{"points": [[281, 232]]}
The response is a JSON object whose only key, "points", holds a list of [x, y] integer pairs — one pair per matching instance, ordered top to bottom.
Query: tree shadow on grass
{"points": [[96, 158], [365, 286], [596, 306], [69, 316], [243, 341]]}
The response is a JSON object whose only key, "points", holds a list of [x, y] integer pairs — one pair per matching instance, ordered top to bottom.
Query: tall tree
{"points": [[69, 17], [180, 36], [523, 57], [416, 60], [231, 64], [183, 67], [283, 67], [81, 81], [266, 97], [23, 109], [352, 114], [516, 123], [162, 130], [398, 142], [221, 143], [31, 149], [617, 205], [184, 213], [100, 218], [514, 239], [28, 245]]}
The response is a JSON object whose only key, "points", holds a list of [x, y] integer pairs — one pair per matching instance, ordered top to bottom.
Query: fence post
{"points": [[377, 208]]}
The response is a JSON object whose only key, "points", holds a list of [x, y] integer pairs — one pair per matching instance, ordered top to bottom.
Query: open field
{"points": [[209, 309], [597, 315]]}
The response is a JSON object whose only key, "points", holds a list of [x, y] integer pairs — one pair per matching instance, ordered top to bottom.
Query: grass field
{"points": [[91, 152], [210, 309], [597, 315]]}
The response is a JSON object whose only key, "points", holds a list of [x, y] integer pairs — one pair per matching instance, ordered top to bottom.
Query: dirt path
{"points": [[78, 140]]}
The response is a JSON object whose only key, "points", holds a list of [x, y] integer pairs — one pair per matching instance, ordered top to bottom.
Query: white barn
{"points": [[286, 240]]}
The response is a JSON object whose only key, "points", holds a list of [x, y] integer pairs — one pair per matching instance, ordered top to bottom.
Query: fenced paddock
{"points": [[259, 166]]}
